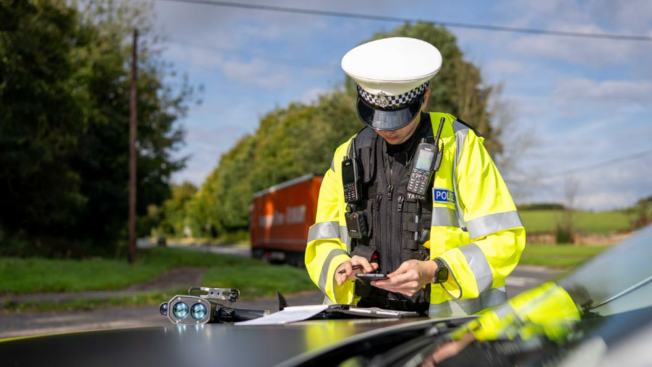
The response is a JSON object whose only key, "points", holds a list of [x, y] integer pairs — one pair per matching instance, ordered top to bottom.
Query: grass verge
{"points": [[558, 256], [31, 275], [254, 278], [260, 280], [150, 298]]}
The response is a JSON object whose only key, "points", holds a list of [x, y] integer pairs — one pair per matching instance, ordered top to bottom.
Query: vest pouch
{"points": [[365, 251], [363, 290], [377, 297]]}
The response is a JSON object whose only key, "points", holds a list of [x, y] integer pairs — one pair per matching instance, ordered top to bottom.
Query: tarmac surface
{"points": [[18, 324]]}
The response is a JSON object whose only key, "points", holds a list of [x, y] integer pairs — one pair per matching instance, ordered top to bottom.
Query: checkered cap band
{"points": [[392, 102]]}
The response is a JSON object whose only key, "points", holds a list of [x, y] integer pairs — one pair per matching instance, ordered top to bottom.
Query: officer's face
{"points": [[401, 135]]}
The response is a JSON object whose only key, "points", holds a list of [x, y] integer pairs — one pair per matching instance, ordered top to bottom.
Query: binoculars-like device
{"points": [[202, 305]]}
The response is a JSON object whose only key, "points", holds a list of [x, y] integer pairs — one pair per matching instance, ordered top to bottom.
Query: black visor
{"points": [[390, 119]]}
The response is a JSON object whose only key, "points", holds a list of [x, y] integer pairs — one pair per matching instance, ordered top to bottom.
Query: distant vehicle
{"points": [[280, 218]]}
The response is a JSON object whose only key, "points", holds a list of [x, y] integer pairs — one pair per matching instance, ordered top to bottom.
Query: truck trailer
{"points": [[280, 217]]}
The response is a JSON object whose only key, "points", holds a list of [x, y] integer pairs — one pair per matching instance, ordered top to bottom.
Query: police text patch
{"points": [[443, 196]]}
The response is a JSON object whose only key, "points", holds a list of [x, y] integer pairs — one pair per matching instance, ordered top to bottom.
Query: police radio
{"points": [[427, 160], [420, 175], [351, 177], [356, 221]]}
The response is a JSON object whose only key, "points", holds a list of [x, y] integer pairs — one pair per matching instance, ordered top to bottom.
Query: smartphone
{"points": [[371, 276]]}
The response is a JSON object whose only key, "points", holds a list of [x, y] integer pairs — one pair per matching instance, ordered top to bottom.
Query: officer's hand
{"points": [[346, 272], [411, 276], [447, 350]]}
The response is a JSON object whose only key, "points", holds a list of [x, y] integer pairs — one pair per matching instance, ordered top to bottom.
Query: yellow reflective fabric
{"points": [[475, 197], [486, 241], [324, 253], [547, 309], [319, 333]]}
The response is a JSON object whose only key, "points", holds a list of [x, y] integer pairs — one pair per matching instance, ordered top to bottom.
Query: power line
{"points": [[486, 27], [285, 60], [607, 163], [586, 168]]}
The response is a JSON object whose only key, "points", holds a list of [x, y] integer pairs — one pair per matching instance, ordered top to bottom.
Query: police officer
{"points": [[425, 204]]}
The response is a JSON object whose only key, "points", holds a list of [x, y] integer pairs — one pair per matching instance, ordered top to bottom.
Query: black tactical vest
{"points": [[398, 223]]}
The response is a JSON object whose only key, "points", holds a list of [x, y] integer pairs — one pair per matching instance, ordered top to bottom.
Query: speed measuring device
{"points": [[204, 305]]}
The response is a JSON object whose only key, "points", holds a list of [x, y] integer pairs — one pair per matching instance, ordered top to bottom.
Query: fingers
{"points": [[359, 260], [356, 265], [405, 267], [343, 272], [404, 280], [407, 289], [451, 349]]}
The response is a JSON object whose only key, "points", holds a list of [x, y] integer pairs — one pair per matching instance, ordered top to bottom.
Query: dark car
{"points": [[598, 315]]}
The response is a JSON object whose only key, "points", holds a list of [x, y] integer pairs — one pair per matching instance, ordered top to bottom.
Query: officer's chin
{"points": [[390, 138]]}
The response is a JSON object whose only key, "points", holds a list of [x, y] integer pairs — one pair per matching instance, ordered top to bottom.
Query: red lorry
{"points": [[280, 217]]}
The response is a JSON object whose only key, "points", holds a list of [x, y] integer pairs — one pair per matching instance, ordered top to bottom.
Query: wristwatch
{"points": [[441, 274]]}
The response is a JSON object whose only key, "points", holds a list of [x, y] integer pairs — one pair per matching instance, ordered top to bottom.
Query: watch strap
{"points": [[441, 274]]}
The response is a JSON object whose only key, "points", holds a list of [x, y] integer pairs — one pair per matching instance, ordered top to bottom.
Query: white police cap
{"points": [[392, 74]]}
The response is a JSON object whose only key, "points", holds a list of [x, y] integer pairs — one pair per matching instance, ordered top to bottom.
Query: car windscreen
{"points": [[618, 280]]}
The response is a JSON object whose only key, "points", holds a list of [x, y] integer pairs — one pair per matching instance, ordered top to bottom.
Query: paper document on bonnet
{"points": [[289, 314]]}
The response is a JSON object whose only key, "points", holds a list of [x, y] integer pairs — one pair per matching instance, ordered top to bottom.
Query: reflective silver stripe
{"points": [[461, 131], [333, 165], [444, 217], [492, 223], [323, 231], [344, 237], [327, 263], [479, 266], [327, 301], [464, 307], [504, 310]]}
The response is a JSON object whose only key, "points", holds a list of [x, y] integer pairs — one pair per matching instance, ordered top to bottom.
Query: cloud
{"points": [[593, 16], [634, 16], [587, 52], [198, 58], [503, 68], [256, 71], [620, 93], [311, 95], [205, 145], [615, 186]]}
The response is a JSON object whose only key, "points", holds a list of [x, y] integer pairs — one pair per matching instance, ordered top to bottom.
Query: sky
{"points": [[579, 107]]}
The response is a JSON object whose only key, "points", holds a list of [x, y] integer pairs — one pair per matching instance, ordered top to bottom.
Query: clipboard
{"points": [[347, 311]]}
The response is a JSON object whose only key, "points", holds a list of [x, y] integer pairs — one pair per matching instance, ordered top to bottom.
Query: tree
{"points": [[64, 112], [41, 113], [176, 210]]}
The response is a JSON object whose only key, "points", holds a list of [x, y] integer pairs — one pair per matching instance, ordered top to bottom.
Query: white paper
{"points": [[289, 314]]}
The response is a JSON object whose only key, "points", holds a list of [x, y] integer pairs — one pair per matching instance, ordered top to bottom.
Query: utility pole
{"points": [[132, 152]]}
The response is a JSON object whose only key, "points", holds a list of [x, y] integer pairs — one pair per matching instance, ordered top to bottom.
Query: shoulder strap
{"points": [[365, 141]]}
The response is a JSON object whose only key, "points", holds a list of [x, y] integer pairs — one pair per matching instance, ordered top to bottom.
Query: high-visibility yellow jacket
{"points": [[475, 229], [545, 310]]}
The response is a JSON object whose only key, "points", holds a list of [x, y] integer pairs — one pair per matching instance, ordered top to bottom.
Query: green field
{"points": [[542, 221], [558, 256], [52, 275]]}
